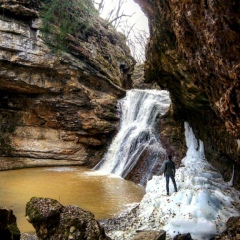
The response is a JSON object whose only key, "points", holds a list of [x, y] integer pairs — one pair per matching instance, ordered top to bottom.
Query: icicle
{"points": [[230, 183]]}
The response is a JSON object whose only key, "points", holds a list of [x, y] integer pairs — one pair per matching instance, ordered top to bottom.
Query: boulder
{"points": [[52, 220]]}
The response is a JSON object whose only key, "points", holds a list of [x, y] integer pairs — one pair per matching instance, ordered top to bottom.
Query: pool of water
{"points": [[104, 196]]}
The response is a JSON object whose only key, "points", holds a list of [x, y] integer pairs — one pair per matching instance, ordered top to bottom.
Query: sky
{"points": [[129, 7], [138, 19]]}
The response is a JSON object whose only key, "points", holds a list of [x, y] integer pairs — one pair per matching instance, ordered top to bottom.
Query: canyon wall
{"points": [[193, 52], [58, 105], [62, 105]]}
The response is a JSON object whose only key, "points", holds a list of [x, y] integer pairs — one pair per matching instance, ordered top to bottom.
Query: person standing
{"points": [[169, 172]]}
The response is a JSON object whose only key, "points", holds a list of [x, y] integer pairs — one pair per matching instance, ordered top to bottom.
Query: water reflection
{"points": [[104, 196]]}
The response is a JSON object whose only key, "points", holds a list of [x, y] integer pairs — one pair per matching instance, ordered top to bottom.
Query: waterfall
{"points": [[137, 138]]}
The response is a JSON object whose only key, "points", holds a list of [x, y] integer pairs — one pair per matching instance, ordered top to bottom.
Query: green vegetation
{"points": [[63, 18]]}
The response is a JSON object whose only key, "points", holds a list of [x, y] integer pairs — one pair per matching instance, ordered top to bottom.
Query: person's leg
{"points": [[174, 182], [167, 183]]}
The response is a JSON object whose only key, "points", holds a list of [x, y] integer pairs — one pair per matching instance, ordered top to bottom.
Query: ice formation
{"points": [[201, 207]]}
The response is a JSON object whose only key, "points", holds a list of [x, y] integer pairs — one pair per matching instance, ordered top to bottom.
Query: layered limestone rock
{"points": [[193, 52], [58, 106]]}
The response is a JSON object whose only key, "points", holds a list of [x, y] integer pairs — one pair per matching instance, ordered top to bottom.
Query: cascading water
{"points": [[137, 137]]}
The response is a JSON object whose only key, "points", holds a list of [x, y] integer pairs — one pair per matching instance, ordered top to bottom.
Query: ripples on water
{"points": [[104, 196]]}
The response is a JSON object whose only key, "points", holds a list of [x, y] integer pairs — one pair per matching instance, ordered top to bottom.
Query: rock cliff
{"points": [[193, 52], [58, 106]]}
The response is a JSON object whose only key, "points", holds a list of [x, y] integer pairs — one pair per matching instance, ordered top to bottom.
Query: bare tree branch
{"points": [[116, 18], [136, 39]]}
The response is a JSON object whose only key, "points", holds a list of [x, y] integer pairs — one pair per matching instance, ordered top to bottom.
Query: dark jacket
{"points": [[169, 168]]}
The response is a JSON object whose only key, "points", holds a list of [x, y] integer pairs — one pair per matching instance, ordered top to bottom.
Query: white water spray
{"points": [[139, 112]]}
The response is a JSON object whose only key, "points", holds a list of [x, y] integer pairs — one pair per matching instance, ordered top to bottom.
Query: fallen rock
{"points": [[52, 220], [8, 225]]}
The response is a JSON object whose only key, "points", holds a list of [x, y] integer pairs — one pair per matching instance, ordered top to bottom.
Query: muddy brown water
{"points": [[105, 196]]}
